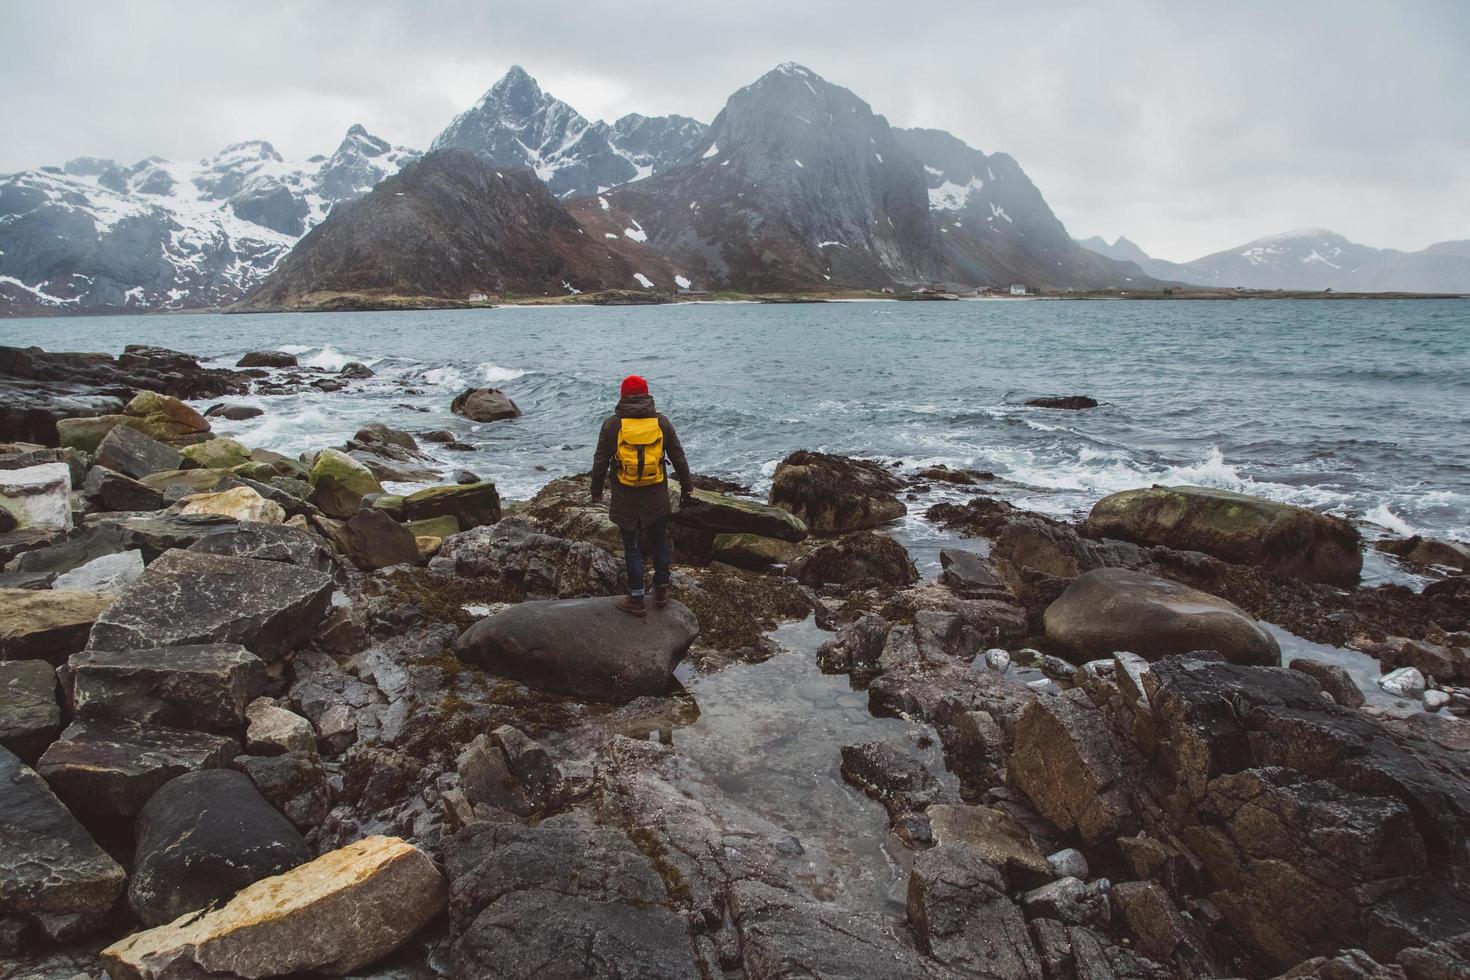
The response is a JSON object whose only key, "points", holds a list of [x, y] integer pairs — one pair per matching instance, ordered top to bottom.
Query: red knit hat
{"points": [[633, 385]]}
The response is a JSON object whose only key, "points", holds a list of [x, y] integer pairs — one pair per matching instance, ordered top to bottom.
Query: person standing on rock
{"points": [[634, 448]]}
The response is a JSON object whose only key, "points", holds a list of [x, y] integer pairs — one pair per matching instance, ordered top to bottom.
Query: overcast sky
{"points": [[1187, 126]]}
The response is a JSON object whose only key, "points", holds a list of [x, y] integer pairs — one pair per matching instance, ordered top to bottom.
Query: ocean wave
{"points": [[492, 373], [1386, 518]]}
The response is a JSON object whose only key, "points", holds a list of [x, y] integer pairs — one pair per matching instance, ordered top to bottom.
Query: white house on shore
{"points": [[1017, 289]]}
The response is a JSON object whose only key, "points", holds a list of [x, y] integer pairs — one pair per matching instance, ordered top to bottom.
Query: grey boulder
{"points": [[127, 451], [109, 490], [267, 542], [187, 598], [1111, 609], [584, 648], [204, 687], [30, 717], [294, 783], [201, 838]]}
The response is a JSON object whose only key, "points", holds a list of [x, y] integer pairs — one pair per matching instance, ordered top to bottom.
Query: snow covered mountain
{"points": [[516, 124], [158, 235], [1311, 259]]}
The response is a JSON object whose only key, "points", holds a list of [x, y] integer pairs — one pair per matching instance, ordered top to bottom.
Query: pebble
{"points": [[997, 660], [1406, 682], [1068, 863]]}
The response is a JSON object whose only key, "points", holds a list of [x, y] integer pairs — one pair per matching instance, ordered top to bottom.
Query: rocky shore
{"points": [[260, 717]]}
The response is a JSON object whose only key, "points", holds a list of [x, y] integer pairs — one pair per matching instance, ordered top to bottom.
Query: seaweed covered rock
{"points": [[165, 418], [339, 482], [836, 494], [473, 505], [724, 514], [1234, 527], [861, 557], [540, 564], [1110, 609]]}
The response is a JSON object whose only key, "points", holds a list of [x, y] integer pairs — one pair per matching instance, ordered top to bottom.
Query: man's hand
{"points": [[597, 496]]}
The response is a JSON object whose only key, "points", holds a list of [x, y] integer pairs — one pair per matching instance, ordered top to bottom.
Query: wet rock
{"points": [[267, 359], [356, 371], [1071, 403], [484, 405], [234, 413], [165, 418], [377, 432], [128, 451], [219, 453], [966, 478], [339, 483], [106, 490], [836, 494], [37, 496], [239, 503], [473, 505], [724, 514], [1236, 528], [154, 534], [371, 539], [267, 542], [1051, 548], [1419, 550], [753, 551], [858, 558], [539, 563], [110, 573], [970, 576], [185, 597], [1112, 609], [48, 626], [582, 647], [857, 647], [1443, 656], [1334, 680], [1406, 682], [205, 687], [941, 693], [30, 717], [272, 730], [527, 758], [1072, 767], [109, 769], [889, 775], [486, 778], [295, 784], [995, 837], [201, 838], [48, 863], [1068, 863], [560, 901], [1070, 901], [337, 914], [963, 917]]}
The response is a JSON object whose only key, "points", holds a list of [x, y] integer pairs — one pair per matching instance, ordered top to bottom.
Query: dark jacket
{"points": [[631, 505]]}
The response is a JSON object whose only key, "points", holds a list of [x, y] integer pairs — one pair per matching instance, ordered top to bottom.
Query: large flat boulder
{"points": [[165, 418], [128, 451], [107, 490], [836, 494], [37, 496], [240, 503], [473, 504], [724, 514], [1236, 528], [267, 542], [870, 557], [541, 564], [108, 573], [186, 598], [1112, 609], [46, 625], [585, 648], [205, 687], [30, 716], [111, 768], [201, 838], [48, 862], [337, 914], [962, 915]]}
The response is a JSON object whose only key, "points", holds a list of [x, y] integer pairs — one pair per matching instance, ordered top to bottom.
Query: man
{"points": [[634, 448]]}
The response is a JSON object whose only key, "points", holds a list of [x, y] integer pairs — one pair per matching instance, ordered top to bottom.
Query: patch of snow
{"points": [[714, 148], [879, 156], [799, 164], [937, 173], [950, 196], [603, 202], [999, 212], [636, 233], [608, 234], [825, 244], [1318, 257], [643, 280], [681, 282], [570, 288]]}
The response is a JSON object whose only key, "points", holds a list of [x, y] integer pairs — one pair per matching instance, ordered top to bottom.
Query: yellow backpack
{"points": [[640, 453]]}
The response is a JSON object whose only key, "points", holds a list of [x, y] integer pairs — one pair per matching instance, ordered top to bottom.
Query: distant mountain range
{"points": [[797, 185], [1309, 259]]}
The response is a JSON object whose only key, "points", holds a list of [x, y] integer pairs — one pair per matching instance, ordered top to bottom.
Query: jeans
{"points": [[657, 538]]}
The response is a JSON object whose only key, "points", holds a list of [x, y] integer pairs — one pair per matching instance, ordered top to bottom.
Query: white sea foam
{"points": [[328, 358], [492, 373], [1386, 518]]}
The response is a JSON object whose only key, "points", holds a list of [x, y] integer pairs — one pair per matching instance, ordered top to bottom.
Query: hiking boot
{"points": [[660, 596], [633, 605]]}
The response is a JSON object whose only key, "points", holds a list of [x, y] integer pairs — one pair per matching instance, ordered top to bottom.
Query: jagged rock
{"points": [[267, 359], [484, 405], [234, 413], [378, 432], [84, 433], [128, 451], [219, 453], [20, 456], [965, 478], [339, 483], [177, 484], [107, 490], [836, 494], [37, 496], [239, 503], [473, 505], [562, 508], [724, 514], [1235, 527], [152, 534], [371, 539], [267, 542], [1054, 549], [1419, 550], [753, 551], [860, 557], [539, 563], [109, 573], [970, 576], [185, 597], [1110, 609], [48, 626], [934, 637], [857, 646], [582, 647], [1443, 656], [1334, 680], [1405, 682], [205, 688], [941, 693], [30, 717], [275, 731], [111, 768], [1072, 768], [890, 775], [485, 777], [294, 783], [995, 837], [201, 838], [48, 863], [1068, 863], [1070, 901], [560, 902], [337, 914], [1151, 916], [963, 917], [1352, 964]]}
